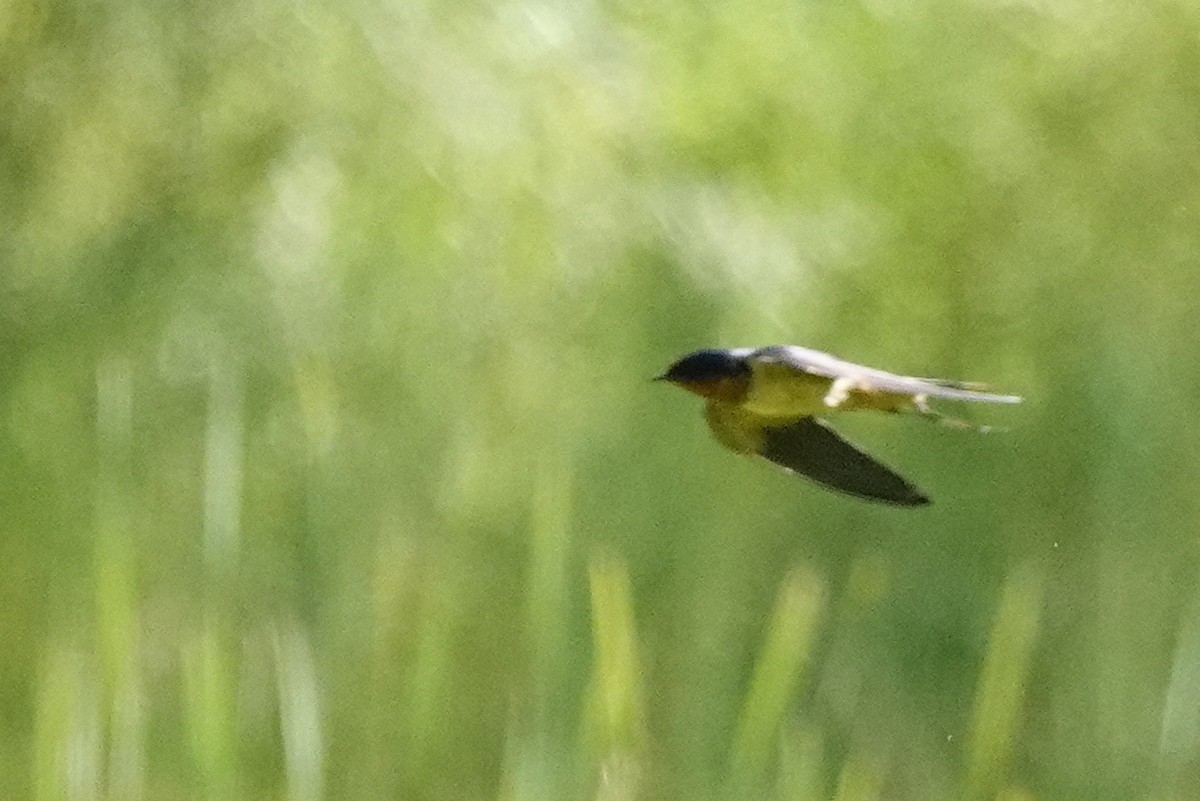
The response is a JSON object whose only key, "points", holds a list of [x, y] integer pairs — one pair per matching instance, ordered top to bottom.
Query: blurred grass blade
{"points": [[223, 456], [115, 563], [116, 573], [549, 599], [787, 649], [427, 688], [999, 696], [209, 709], [616, 712], [299, 714], [67, 737], [1179, 740], [540, 751], [801, 764], [860, 780], [1015, 794]]}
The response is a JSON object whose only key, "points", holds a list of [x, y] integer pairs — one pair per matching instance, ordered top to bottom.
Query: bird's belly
{"points": [[785, 394], [879, 401]]}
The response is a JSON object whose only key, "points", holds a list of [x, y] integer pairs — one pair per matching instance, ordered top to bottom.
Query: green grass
{"points": [[330, 466]]}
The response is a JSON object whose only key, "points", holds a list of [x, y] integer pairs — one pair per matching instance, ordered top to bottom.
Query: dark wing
{"points": [[816, 362], [817, 452]]}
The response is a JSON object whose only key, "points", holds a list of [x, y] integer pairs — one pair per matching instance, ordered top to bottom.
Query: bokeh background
{"points": [[330, 467]]}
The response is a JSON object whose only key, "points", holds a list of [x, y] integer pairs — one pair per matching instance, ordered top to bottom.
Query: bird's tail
{"points": [[970, 391], [922, 407]]}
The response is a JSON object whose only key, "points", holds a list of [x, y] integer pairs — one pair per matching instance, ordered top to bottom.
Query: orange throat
{"points": [[732, 389]]}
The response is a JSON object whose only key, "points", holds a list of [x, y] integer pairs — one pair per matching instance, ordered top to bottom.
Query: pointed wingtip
{"points": [[913, 499]]}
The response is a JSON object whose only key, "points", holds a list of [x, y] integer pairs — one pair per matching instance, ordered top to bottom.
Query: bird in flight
{"points": [[766, 402]]}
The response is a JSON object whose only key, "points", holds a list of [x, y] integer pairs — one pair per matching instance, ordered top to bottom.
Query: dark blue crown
{"points": [[706, 365]]}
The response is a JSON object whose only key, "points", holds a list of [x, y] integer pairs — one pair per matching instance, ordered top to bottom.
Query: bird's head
{"points": [[711, 373]]}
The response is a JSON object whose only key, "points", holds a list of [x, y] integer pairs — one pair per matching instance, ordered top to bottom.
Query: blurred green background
{"points": [[330, 467]]}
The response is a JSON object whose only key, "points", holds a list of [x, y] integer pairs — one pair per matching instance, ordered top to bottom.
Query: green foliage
{"points": [[330, 467]]}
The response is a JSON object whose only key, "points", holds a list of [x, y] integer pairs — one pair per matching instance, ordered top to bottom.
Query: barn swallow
{"points": [[766, 402]]}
